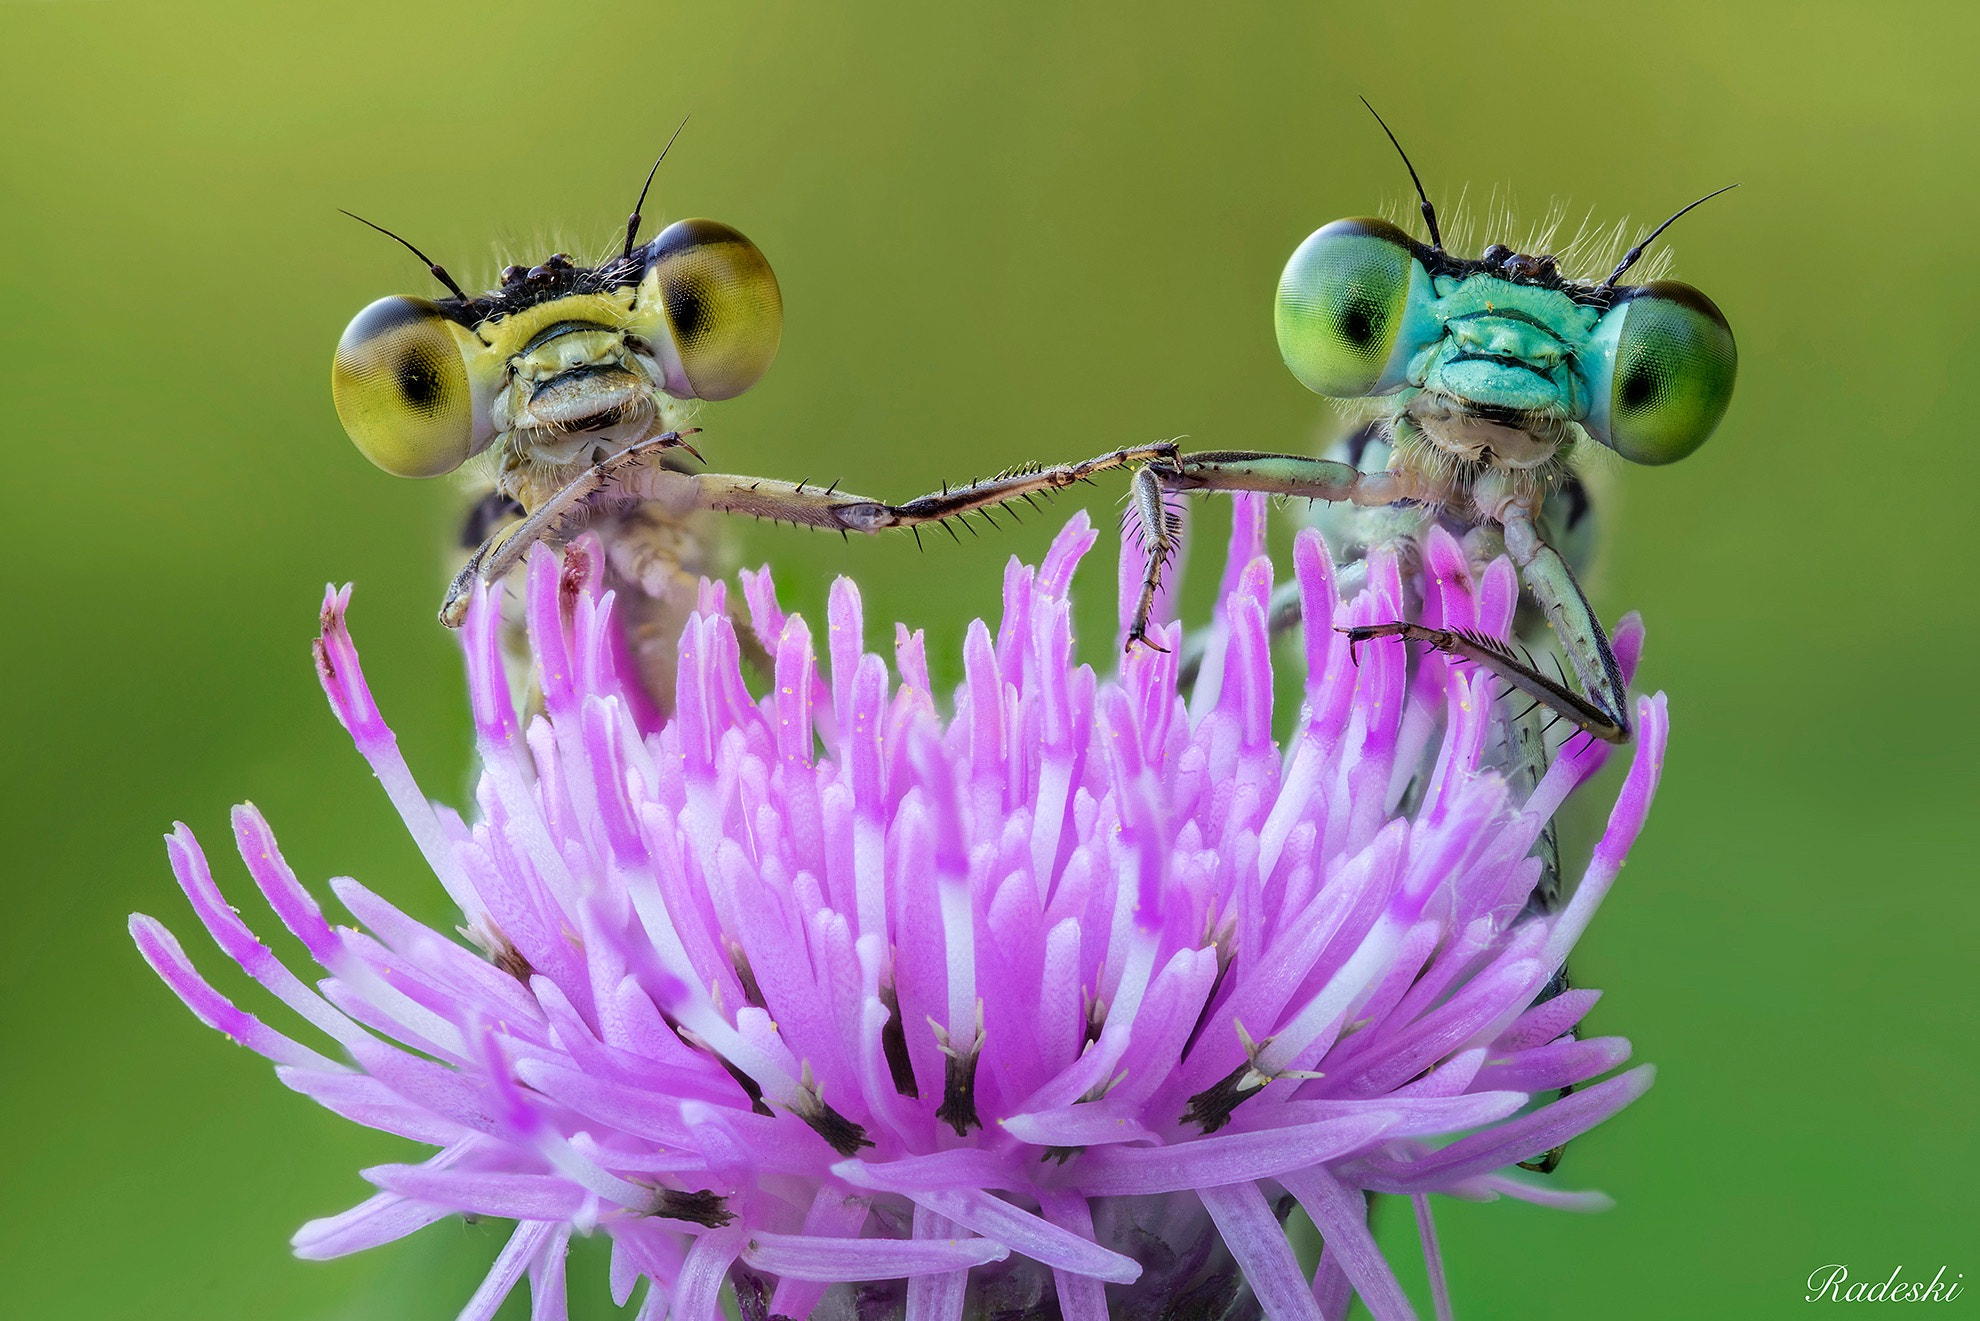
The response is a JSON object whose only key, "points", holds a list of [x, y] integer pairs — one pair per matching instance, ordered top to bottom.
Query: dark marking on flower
{"points": [[570, 582], [326, 669], [495, 944], [1224, 953], [510, 959], [751, 989], [1096, 1016], [893, 1041], [743, 1080], [749, 1086], [1211, 1108], [958, 1109], [840, 1133], [1059, 1155], [704, 1207], [753, 1295]]}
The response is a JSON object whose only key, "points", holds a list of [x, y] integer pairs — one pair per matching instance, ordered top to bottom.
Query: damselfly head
{"points": [[1505, 340], [559, 352]]}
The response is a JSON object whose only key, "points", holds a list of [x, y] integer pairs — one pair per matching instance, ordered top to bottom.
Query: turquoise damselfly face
{"points": [[1504, 346]]}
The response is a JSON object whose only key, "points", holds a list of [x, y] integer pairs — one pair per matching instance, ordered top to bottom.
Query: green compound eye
{"points": [[1341, 305], [1673, 367], [400, 384]]}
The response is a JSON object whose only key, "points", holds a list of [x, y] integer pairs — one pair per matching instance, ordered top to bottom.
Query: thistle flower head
{"points": [[1060, 1001]]}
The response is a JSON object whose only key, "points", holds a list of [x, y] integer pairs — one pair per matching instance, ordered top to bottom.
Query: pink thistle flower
{"points": [[1054, 1006]]}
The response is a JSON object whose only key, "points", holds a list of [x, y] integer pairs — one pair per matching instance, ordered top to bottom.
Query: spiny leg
{"points": [[1161, 468], [1251, 470], [636, 473], [1286, 475], [1022, 483], [838, 511], [1160, 531], [505, 549], [1580, 633], [1491, 654], [1601, 712]]}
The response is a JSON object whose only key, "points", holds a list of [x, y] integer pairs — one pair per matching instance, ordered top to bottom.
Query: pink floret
{"points": [[818, 985]]}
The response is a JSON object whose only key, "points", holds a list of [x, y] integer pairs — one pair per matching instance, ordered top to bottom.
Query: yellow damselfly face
{"points": [[559, 352]]}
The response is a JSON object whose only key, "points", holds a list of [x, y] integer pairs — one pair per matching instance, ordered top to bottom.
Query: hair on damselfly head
{"points": [[633, 222], [1543, 237], [1591, 249]]}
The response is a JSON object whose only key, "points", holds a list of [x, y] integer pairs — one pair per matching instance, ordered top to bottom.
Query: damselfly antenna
{"points": [[1429, 212], [632, 224], [1637, 251], [439, 271]]}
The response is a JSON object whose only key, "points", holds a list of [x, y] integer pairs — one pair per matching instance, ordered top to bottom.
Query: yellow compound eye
{"points": [[1341, 306], [722, 313], [1673, 367], [401, 388]]}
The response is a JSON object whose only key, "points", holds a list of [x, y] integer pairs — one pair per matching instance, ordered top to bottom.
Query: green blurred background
{"points": [[1001, 235]]}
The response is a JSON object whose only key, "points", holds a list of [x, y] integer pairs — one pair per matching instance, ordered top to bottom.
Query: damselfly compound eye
{"points": [[1341, 306], [712, 308], [1670, 361], [400, 383]]}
